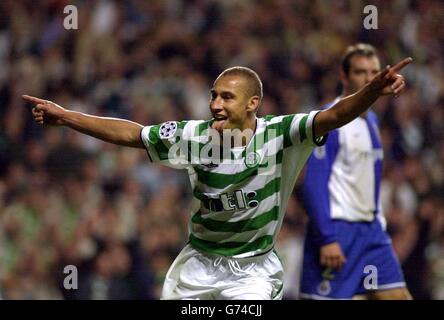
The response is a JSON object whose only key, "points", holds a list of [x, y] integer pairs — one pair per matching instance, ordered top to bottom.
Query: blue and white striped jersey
{"points": [[343, 178]]}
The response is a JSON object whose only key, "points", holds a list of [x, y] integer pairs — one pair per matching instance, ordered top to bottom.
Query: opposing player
{"points": [[241, 193], [347, 251]]}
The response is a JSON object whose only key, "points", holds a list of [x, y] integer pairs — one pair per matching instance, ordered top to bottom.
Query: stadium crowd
{"points": [[67, 199]]}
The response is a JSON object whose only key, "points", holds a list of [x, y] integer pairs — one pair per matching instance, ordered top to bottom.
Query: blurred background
{"points": [[67, 199]]}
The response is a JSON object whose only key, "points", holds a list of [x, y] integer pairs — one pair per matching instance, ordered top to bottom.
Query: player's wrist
{"points": [[371, 91], [67, 117]]}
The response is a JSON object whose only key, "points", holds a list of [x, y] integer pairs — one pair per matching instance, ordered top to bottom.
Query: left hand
{"points": [[388, 81], [331, 256]]}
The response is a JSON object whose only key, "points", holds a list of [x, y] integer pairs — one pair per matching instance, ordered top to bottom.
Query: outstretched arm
{"points": [[386, 82], [117, 131]]}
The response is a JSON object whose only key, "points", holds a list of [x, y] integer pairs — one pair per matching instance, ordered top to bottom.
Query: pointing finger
{"points": [[402, 64], [33, 99]]}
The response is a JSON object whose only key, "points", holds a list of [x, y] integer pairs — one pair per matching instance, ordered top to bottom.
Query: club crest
{"points": [[252, 159]]}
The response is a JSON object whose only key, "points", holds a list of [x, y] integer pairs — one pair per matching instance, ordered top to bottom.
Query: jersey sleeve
{"points": [[300, 129], [166, 143], [315, 190]]}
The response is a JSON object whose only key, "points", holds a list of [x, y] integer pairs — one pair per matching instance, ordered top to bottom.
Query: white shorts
{"points": [[201, 276]]}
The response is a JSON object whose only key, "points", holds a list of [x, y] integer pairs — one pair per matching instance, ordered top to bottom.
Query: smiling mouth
{"points": [[220, 118]]}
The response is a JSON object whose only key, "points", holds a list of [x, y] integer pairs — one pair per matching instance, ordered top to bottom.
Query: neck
{"points": [[250, 123], [242, 136]]}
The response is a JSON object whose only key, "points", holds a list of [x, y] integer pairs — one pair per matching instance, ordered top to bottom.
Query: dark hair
{"points": [[359, 49], [255, 83]]}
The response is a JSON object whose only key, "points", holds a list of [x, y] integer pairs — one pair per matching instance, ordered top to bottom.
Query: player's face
{"points": [[362, 71], [229, 102]]}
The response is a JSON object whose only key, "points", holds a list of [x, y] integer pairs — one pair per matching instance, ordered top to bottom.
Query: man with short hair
{"points": [[242, 170], [347, 251]]}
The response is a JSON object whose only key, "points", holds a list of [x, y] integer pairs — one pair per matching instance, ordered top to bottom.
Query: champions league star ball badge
{"points": [[167, 129], [252, 159]]}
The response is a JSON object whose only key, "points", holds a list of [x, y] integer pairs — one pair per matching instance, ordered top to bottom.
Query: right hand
{"points": [[46, 112], [331, 256]]}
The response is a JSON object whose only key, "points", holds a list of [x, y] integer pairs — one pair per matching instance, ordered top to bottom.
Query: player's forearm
{"points": [[354, 105], [345, 110], [117, 131]]}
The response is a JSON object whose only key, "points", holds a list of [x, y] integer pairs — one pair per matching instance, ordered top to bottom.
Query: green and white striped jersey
{"points": [[240, 195]]}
